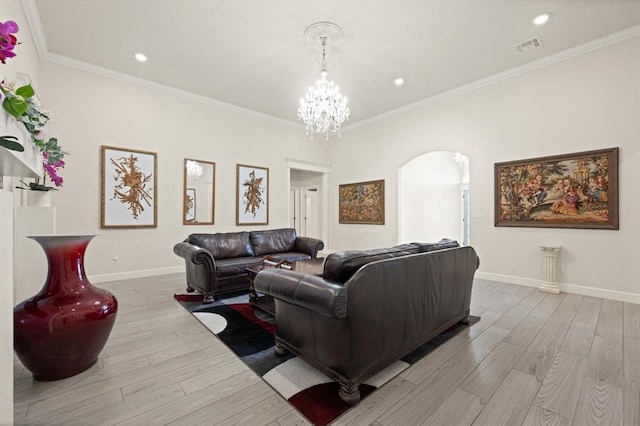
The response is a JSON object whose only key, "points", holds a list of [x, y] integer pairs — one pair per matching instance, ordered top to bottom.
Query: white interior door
{"points": [[311, 212]]}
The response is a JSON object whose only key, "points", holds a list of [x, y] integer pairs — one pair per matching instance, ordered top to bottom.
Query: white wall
{"points": [[588, 102], [90, 111], [430, 198]]}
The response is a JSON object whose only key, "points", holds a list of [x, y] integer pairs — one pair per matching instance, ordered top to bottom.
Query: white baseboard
{"points": [[103, 278], [621, 296]]}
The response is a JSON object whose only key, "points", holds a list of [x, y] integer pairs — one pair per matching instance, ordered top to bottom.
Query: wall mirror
{"points": [[198, 192]]}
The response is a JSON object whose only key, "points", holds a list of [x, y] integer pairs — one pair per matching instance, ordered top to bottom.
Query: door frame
{"points": [[293, 164]]}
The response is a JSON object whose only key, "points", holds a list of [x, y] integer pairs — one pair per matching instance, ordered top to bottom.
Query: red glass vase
{"points": [[60, 331]]}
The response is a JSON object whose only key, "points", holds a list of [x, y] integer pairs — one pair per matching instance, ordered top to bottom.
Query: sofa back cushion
{"points": [[273, 241], [444, 243], [224, 245], [340, 266]]}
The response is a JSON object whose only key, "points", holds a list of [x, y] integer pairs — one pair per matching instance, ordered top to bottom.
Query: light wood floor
{"points": [[533, 359]]}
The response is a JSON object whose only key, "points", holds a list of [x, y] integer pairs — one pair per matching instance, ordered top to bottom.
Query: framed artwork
{"points": [[199, 178], [128, 188], [578, 190], [252, 195], [362, 202], [190, 204]]}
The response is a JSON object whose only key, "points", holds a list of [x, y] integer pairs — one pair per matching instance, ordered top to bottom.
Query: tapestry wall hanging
{"points": [[128, 188], [578, 190], [252, 195], [362, 202]]}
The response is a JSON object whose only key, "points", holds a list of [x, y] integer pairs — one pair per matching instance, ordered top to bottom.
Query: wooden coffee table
{"points": [[266, 303]]}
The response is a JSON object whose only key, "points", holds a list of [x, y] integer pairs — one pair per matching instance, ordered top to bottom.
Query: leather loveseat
{"points": [[216, 263], [370, 308]]}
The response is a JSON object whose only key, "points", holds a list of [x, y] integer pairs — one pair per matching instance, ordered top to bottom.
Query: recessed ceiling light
{"points": [[542, 19], [140, 57], [398, 81]]}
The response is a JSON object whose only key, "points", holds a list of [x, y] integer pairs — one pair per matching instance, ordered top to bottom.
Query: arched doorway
{"points": [[433, 198]]}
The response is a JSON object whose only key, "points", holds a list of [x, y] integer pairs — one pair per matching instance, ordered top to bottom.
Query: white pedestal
{"points": [[550, 283], [6, 308]]}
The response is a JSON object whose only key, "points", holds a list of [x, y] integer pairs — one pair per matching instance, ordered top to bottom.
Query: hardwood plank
{"points": [[533, 299], [548, 305], [563, 314], [513, 317], [631, 321], [610, 323], [525, 331], [579, 337], [481, 346], [631, 356], [538, 357], [605, 362], [488, 376], [91, 387], [558, 392], [425, 398], [108, 401], [196, 403], [377, 403], [510, 403], [631, 403], [600, 404], [134, 407], [460, 409], [224, 410], [264, 411], [540, 417], [292, 418]]}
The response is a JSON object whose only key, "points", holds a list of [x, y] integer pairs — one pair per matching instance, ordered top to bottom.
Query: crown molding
{"points": [[37, 32], [590, 46]]}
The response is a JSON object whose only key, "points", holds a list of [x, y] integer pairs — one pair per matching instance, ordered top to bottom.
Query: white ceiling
{"points": [[252, 54]]}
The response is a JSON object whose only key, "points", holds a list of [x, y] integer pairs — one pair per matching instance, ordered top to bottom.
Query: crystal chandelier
{"points": [[323, 109]]}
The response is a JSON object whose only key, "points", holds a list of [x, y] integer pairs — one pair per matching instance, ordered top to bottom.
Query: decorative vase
{"points": [[38, 198], [60, 331]]}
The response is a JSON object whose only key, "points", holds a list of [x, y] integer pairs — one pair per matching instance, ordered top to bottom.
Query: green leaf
{"points": [[25, 91], [14, 106], [11, 142], [39, 187]]}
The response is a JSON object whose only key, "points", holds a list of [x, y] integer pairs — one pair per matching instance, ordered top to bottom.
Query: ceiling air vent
{"points": [[528, 44]]}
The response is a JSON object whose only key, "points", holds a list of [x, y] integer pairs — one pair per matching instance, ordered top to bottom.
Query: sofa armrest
{"points": [[310, 246], [194, 254], [325, 297]]}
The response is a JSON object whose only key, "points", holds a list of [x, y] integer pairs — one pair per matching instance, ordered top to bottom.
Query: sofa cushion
{"points": [[273, 241], [444, 243], [224, 245], [235, 266], [340, 266]]}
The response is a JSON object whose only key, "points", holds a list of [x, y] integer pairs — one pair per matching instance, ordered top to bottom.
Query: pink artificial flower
{"points": [[7, 40]]}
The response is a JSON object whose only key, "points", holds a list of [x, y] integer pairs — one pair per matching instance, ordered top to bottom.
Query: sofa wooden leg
{"points": [[190, 290], [207, 298], [280, 350], [349, 395]]}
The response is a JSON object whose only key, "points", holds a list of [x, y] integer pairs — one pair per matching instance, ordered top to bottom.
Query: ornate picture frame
{"points": [[199, 178], [129, 188], [578, 190], [252, 195], [362, 202]]}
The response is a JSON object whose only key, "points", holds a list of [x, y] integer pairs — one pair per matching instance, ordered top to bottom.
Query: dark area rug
{"points": [[248, 332]]}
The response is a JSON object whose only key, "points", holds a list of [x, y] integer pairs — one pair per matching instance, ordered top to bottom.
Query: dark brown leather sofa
{"points": [[216, 263], [371, 308]]}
